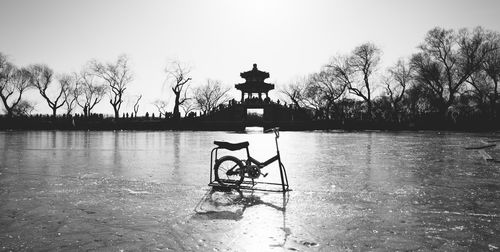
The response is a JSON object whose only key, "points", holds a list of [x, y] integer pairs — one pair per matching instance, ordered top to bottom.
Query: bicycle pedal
{"points": [[264, 175]]}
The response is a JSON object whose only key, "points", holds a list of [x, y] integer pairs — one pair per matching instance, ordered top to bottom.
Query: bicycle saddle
{"points": [[231, 146]]}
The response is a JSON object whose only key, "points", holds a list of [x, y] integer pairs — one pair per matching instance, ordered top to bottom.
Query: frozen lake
{"points": [[351, 190]]}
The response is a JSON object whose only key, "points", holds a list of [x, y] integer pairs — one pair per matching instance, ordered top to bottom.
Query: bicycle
{"points": [[230, 171]]}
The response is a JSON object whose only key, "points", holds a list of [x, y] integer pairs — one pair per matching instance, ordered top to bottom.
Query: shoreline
{"points": [[201, 124]]}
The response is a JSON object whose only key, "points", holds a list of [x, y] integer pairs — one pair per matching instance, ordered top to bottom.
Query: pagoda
{"points": [[254, 84]]}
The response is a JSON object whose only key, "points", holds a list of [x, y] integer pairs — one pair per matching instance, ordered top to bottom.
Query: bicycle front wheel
{"points": [[229, 170]]}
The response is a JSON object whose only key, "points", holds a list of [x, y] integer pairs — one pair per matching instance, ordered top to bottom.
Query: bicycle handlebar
{"points": [[271, 129], [276, 131]]}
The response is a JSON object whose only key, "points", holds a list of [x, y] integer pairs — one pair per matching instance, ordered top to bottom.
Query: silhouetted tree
{"points": [[447, 59], [491, 67], [356, 69], [117, 75], [41, 78], [178, 78], [396, 81], [13, 83], [323, 90], [88, 91], [294, 91], [480, 91], [70, 93], [210, 95], [314, 99], [419, 100], [136, 105], [161, 106], [188, 106], [24, 108]]}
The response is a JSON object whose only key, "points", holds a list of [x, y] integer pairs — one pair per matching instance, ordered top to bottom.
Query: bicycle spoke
{"points": [[230, 173]]}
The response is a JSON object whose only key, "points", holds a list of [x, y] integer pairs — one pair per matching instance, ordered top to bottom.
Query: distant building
{"points": [[254, 84], [255, 109]]}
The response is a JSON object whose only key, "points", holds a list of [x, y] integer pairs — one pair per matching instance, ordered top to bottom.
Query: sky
{"points": [[219, 39]]}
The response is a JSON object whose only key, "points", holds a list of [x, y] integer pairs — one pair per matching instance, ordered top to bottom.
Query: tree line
{"points": [[452, 73], [97, 80], [84, 89]]}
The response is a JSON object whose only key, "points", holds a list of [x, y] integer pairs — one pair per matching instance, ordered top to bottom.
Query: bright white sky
{"points": [[220, 38]]}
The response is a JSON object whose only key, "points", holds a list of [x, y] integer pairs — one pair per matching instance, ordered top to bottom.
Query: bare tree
{"points": [[447, 59], [364, 60], [491, 67], [356, 70], [117, 75], [41, 78], [178, 78], [396, 82], [13, 83], [331, 86], [323, 90], [481, 90], [294, 91], [70, 93], [89, 93], [210, 95], [314, 98], [136, 105], [161, 106], [188, 106], [24, 108]]}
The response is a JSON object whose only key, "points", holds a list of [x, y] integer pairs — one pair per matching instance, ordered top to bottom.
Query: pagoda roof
{"points": [[255, 74], [254, 81], [255, 87]]}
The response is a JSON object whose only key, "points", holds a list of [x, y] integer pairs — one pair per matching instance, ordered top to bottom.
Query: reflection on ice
{"points": [[218, 202], [261, 217]]}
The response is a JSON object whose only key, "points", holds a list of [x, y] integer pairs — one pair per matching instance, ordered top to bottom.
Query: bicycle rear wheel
{"points": [[228, 171]]}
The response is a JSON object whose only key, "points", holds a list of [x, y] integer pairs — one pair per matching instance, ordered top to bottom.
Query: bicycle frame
{"points": [[250, 160]]}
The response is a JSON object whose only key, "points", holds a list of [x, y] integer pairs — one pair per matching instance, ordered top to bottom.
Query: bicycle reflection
{"points": [[232, 203], [261, 217]]}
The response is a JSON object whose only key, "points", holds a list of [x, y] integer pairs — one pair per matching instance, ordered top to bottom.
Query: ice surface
{"points": [[148, 191]]}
